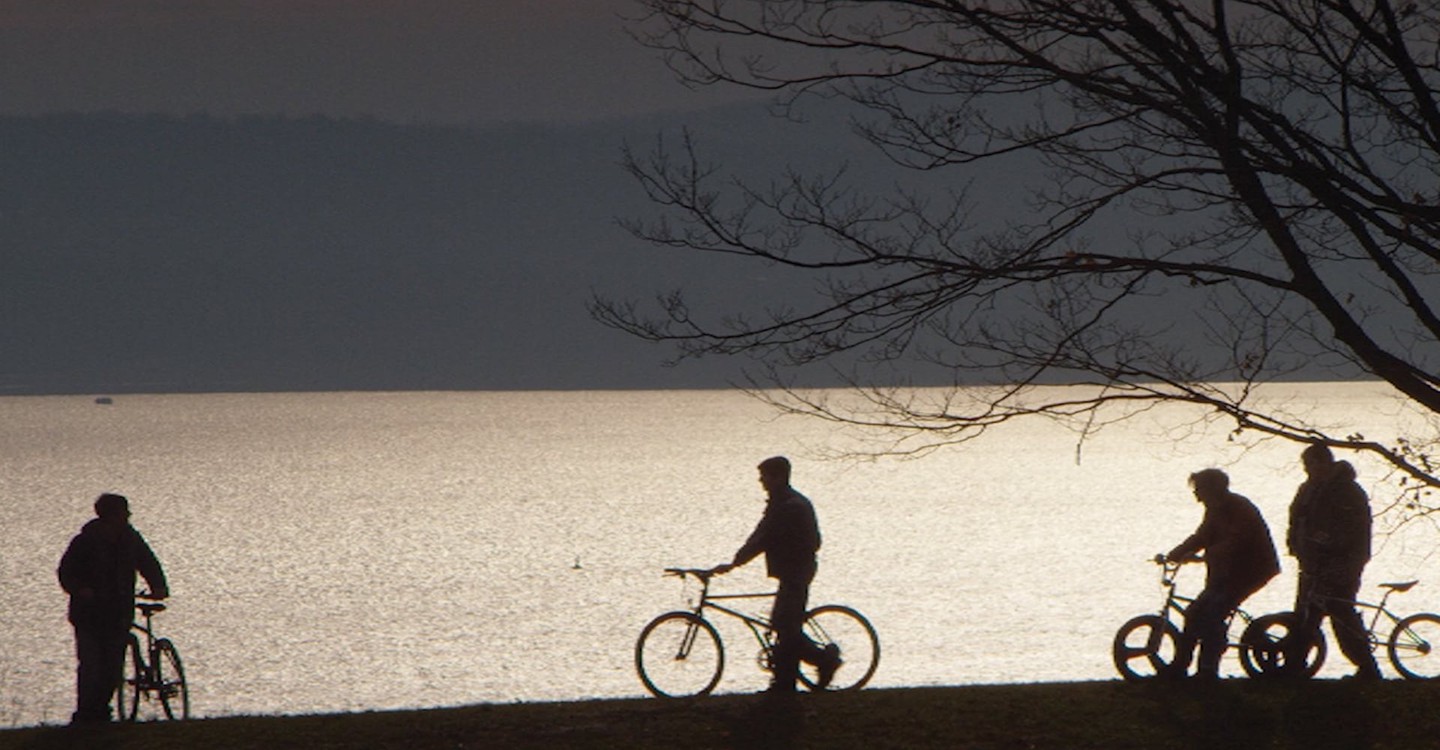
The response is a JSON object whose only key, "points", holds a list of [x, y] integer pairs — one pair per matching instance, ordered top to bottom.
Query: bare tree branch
{"points": [[1275, 165]]}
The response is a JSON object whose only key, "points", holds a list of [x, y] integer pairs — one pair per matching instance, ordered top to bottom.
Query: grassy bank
{"points": [[1322, 715]]}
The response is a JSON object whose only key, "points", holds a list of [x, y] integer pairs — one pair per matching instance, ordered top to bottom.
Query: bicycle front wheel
{"points": [[853, 635], [1264, 643], [1144, 646], [1415, 647], [679, 655], [170, 687], [127, 693]]}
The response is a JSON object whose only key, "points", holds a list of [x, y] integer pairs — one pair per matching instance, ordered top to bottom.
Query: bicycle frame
{"points": [[1178, 603], [147, 612], [760, 627], [1371, 628], [1412, 642], [1144, 645], [158, 673]]}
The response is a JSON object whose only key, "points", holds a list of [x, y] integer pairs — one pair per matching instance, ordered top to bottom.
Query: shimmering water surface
{"points": [[356, 551]]}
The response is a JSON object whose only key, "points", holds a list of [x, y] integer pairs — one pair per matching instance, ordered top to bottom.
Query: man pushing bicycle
{"points": [[1329, 535], [789, 536], [98, 572]]}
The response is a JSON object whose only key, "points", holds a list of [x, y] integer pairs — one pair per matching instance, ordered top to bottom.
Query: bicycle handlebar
{"points": [[1161, 558], [702, 574]]}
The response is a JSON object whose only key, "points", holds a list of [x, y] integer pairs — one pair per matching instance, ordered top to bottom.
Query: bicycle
{"points": [[1146, 644], [1411, 645], [680, 654], [154, 673]]}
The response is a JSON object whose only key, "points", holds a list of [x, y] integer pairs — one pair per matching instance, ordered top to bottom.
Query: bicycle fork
{"points": [[692, 631]]}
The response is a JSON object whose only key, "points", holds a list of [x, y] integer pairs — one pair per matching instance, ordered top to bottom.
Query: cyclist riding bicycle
{"points": [[789, 536], [1240, 559]]}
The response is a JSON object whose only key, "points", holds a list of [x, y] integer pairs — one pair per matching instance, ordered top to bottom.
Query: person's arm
{"points": [[1294, 534], [752, 547], [1186, 550], [149, 567]]}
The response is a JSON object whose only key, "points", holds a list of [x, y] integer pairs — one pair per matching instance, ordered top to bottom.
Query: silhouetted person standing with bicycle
{"points": [[1329, 535], [789, 536], [1240, 559], [98, 572]]}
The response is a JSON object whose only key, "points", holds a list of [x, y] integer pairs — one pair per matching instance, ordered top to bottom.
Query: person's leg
{"points": [[1309, 615], [788, 619], [1206, 620], [1349, 626], [1199, 629], [115, 642], [1184, 652], [827, 659], [92, 686]]}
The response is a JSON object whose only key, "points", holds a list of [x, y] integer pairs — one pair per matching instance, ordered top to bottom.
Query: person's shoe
{"points": [[829, 664], [1172, 673], [1371, 674], [781, 693]]}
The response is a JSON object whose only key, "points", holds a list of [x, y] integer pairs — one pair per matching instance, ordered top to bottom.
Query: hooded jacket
{"points": [[1330, 523], [98, 572]]}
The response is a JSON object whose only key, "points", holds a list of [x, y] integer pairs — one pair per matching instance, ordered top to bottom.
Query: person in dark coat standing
{"points": [[789, 536], [1329, 536], [1240, 559], [98, 571]]}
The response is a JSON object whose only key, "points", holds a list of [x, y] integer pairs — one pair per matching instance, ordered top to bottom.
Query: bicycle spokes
{"points": [[853, 641], [1144, 646], [1414, 647], [679, 654]]}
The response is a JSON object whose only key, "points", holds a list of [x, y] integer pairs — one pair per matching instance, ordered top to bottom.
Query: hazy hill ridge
{"points": [[175, 254]]}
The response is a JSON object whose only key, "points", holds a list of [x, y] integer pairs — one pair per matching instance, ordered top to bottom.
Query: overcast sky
{"points": [[439, 61]]}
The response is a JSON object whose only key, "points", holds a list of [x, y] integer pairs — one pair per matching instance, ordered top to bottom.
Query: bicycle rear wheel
{"points": [[853, 635], [1263, 644], [1144, 646], [1415, 647], [679, 655], [170, 686], [127, 693]]}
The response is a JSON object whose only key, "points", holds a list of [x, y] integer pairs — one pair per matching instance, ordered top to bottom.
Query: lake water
{"points": [[357, 551]]}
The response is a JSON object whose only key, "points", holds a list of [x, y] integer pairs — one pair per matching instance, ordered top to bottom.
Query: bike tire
{"points": [[853, 634], [1144, 646], [1262, 647], [1414, 647], [679, 655], [173, 692], [127, 693]]}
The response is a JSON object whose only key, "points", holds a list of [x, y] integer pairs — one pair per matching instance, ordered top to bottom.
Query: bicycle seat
{"points": [[1399, 587], [150, 608]]}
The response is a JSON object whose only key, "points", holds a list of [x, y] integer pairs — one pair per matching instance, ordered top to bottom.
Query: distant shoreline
{"points": [[176, 389]]}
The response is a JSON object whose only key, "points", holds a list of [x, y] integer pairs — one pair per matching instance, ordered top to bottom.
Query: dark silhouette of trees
{"points": [[1257, 179]]}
